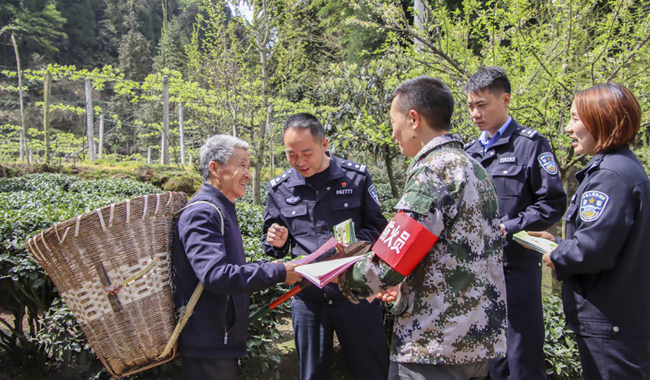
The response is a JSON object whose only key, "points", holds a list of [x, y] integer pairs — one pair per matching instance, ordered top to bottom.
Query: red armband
{"points": [[404, 243]]}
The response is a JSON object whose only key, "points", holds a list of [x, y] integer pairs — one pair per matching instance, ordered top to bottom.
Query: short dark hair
{"points": [[491, 78], [428, 96], [611, 113], [305, 120]]}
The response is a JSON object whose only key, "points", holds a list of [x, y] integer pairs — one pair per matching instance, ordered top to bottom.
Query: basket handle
{"points": [[189, 309]]}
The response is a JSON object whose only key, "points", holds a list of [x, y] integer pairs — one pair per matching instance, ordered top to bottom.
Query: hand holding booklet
{"points": [[541, 245], [321, 273]]}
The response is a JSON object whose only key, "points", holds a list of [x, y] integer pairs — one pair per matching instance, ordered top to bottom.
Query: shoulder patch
{"points": [[527, 132], [547, 161], [349, 165], [281, 178], [373, 194], [592, 205]]}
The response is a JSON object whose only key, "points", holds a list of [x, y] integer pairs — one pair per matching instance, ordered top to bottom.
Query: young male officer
{"points": [[531, 197], [303, 206]]}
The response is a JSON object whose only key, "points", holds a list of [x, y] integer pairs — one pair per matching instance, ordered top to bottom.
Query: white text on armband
{"points": [[390, 232]]}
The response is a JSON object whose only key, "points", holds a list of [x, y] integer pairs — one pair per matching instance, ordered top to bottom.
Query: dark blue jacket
{"points": [[528, 184], [310, 214], [605, 260], [218, 327]]}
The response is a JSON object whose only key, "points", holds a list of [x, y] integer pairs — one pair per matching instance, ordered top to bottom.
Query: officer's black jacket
{"points": [[528, 184], [310, 214], [605, 259]]}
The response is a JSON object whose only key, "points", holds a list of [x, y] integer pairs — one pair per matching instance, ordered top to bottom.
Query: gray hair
{"points": [[219, 148]]}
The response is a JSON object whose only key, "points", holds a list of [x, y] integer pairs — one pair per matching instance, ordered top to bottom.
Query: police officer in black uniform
{"points": [[531, 197], [303, 206], [604, 261]]}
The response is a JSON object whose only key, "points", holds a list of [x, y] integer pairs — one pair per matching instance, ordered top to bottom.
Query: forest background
{"points": [[152, 79]]}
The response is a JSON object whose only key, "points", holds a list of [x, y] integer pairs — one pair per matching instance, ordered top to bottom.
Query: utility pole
{"points": [[47, 89], [89, 120], [23, 131], [180, 131], [101, 136], [164, 145]]}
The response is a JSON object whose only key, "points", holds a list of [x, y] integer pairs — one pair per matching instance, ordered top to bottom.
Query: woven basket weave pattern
{"points": [[83, 255]]}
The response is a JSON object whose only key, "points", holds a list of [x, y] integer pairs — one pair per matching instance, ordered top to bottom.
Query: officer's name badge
{"points": [[547, 161], [592, 205]]}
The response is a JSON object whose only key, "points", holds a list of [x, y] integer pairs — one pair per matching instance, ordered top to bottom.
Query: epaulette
{"points": [[527, 132], [469, 144], [349, 165], [281, 178]]}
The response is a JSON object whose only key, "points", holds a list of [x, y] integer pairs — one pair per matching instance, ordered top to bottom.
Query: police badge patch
{"points": [[548, 162], [373, 194], [293, 200], [592, 205]]}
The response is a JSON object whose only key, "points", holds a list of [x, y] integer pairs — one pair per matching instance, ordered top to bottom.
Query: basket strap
{"points": [[189, 308]]}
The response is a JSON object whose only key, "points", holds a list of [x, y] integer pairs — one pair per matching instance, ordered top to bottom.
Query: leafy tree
{"points": [[38, 26], [80, 28], [550, 48], [134, 49], [362, 95]]}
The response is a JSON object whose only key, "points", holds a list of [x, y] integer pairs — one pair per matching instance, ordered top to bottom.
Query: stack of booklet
{"points": [[541, 245]]}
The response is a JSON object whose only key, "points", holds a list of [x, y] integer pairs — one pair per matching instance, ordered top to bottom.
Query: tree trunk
{"points": [[47, 88], [89, 120], [23, 130], [164, 145], [389, 169]]}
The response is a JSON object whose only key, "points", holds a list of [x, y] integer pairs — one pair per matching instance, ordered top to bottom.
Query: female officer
{"points": [[604, 260]]}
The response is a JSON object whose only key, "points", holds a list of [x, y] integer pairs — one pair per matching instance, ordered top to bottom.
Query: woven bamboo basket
{"points": [[112, 267]]}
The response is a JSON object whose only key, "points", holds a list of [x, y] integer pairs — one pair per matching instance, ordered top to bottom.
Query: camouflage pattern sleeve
{"points": [[420, 201], [369, 276]]}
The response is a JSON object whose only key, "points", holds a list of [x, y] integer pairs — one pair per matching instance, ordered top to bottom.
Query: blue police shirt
{"points": [[528, 184], [311, 213]]}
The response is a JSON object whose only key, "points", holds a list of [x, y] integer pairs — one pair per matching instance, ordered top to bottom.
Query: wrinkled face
{"points": [[488, 111], [403, 130], [582, 140], [303, 153], [233, 177]]}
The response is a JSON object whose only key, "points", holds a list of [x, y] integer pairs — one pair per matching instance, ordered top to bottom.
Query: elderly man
{"points": [[208, 249]]}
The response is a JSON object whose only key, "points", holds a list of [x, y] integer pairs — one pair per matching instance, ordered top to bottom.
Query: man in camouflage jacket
{"points": [[451, 309]]}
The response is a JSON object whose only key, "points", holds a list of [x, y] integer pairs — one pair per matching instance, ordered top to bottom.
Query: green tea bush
{"points": [[560, 347]]}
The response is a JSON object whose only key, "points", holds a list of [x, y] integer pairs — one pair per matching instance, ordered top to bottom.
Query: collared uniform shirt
{"points": [[528, 184], [310, 214], [605, 260], [452, 307]]}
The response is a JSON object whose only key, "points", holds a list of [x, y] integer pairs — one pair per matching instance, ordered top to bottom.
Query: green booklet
{"points": [[344, 232], [541, 245]]}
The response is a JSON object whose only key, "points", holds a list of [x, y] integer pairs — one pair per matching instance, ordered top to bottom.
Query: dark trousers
{"points": [[359, 329], [525, 338], [613, 359], [209, 369], [413, 371]]}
